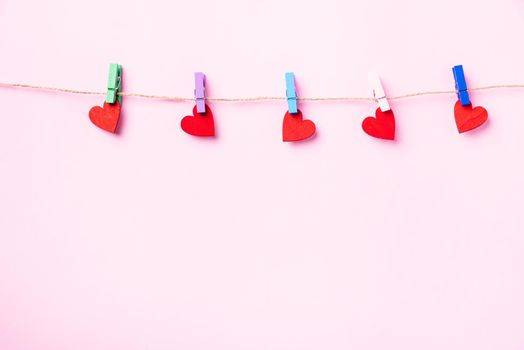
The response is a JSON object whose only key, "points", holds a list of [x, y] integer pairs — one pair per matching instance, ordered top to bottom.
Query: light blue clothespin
{"points": [[114, 84], [460, 85], [291, 93]]}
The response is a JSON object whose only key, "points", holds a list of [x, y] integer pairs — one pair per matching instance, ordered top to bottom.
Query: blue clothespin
{"points": [[114, 83], [460, 85], [200, 92], [291, 93]]}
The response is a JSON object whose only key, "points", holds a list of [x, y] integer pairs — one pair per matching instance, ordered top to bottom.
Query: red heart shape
{"points": [[106, 117], [468, 118], [199, 124], [382, 126], [295, 128]]}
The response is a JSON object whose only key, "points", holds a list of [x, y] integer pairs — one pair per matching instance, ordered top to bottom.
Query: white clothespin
{"points": [[378, 92]]}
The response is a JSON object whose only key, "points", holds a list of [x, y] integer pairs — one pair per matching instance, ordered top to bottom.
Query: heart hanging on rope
{"points": [[106, 117], [468, 118], [199, 124], [381, 126], [295, 128]]}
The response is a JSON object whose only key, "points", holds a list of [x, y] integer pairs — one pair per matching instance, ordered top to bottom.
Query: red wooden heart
{"points": [[106, 117], [468, 118], [199, 124], [382, 126], [295, 128]]}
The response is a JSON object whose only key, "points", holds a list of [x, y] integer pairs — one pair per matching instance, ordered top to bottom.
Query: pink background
{"points": [[154, 239]]}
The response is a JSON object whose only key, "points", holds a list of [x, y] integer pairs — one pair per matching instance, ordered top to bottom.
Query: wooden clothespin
{"points": [[114, 83], [460, 85], [200, 92], [378, 92], [291, 93]]}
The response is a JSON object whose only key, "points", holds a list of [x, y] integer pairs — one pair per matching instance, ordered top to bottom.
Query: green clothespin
{"points": [[114, 84]]}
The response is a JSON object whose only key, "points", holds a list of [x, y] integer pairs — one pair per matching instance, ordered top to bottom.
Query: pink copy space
{"points": [[153, 239]]}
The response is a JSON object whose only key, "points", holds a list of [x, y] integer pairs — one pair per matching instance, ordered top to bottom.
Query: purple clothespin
{"points": [[200, 92]]}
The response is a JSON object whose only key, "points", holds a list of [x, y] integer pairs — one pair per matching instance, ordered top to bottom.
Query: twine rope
{"points": [[256, 98]]}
